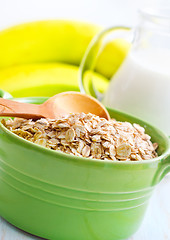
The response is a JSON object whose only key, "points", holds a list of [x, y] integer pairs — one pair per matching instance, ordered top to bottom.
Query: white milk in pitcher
{"points": [[141, 87]]}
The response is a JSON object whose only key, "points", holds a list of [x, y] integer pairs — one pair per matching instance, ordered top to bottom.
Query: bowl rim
{"points": [[84, 159]]}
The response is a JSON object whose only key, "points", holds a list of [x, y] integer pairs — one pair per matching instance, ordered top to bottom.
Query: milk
{"points": [[141, 87]]}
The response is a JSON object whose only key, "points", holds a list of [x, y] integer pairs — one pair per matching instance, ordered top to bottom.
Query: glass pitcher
{"points": [[141, 85]]}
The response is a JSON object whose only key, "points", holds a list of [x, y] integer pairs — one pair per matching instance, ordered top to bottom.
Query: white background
{"points": [[104, 12]]}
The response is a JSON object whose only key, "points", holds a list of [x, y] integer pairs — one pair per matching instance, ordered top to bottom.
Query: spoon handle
{"points": [[11, 108]]}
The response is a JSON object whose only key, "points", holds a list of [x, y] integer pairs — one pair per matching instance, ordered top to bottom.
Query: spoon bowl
{"points": [[59, 105]]}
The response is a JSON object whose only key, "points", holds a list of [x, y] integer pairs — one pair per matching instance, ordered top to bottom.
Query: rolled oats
{"points": [[70, 135], [87, 135], [96, 138], [41, 142], [80, 146], [86, 151], [112, 151]]}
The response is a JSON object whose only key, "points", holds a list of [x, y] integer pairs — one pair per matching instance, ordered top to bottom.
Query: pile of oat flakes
{"points": [[87, 135]]}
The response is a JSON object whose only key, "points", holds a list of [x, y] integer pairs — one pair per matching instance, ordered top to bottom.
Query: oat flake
{"points": [[87, 135]]}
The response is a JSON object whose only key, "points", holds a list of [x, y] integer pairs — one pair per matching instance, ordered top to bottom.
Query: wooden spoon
{"points": [[56, 106]]}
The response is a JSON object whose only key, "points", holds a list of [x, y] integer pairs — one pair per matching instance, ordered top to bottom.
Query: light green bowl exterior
{"points": [[62, 197]]}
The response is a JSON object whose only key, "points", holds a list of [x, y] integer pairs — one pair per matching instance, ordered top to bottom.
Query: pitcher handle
{"points": [[93, 52]]}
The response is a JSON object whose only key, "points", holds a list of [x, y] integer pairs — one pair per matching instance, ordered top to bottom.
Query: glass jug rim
{"points": [[156, 13]]}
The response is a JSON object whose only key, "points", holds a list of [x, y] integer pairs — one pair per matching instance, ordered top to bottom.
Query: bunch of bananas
{"points": [[42, 58]]}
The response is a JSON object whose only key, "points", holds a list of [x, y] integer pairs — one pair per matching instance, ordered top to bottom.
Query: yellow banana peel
{"points": [[45, 41], [112, 57], [42, 58], [46, 79]]}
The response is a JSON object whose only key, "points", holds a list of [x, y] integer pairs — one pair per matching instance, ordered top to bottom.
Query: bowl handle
{"points": [[4, 94], [166, 166], [163, 169]]}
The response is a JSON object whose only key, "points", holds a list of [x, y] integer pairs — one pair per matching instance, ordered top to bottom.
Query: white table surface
{"points": [[156, 225]]}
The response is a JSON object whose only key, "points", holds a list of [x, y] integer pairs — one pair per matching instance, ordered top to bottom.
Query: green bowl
{"points": [[58, 196]]}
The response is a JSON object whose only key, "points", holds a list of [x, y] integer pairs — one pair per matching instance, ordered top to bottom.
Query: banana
{"points": [[45, 41], [112, 57], [41, 58], [45, 79]]}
